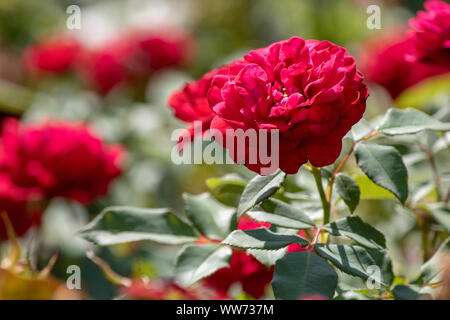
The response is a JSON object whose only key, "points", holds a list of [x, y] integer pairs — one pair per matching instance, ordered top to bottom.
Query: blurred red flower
{"points": [[431, 33], [55, 55], [133, 57], [384, 62], [105, 67], [191, 104], [58, 157], [21, 205], [244, 269], [162, 289], [156, 290]]}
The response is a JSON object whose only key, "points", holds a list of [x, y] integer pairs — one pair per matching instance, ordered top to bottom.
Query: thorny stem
{"points": [[431, 160], [343, 162], [335, 172], [325, 204], [424, 230], [316, 236]]}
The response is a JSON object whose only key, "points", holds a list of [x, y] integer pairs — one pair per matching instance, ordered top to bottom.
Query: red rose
{"points": [[431, 33], [164, 49], [56, 55], [133, 57], [384, 62], [105, 68], [309, 90], [191, 104], [60, 158], [21, 205], [294, 247], [244, 269]]}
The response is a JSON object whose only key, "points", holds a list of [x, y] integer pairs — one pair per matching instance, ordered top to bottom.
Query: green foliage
{"points": [[409, 121], [384, 166], [227, 189], [258, 189], [349, 191], [441, 212], [281, 214], [209, 217], [126, 224], [354, 228], [262, 238], [267, 257], [358, 261], [195, 262], [430, 271], [303, 274], [402, 292]]}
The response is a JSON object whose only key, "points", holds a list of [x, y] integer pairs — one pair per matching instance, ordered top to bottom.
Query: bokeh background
{"points": [[220, 31]]}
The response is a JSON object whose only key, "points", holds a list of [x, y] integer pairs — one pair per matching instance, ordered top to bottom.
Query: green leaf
{"points": [[408, 121], [384, 166], [227, 189], [258, 189], [348, 190], [371, 191], [441, 212], [281, 214], [209, 217], [127, 224], [355, 228], [262, 238], [267, 257], [358, 261], [195, 262], [430, 270], [301, 274], [402, 292]]}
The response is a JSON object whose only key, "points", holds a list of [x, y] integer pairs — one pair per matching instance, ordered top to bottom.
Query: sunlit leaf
{"points": [[408, 121], [384, 166], [227, 189], [258, 189], [348, 189], [371, 191], [281, 214], [209, 217], [127, 224], [355, 228], [262, 238], [358, 261], [196, 262]]}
